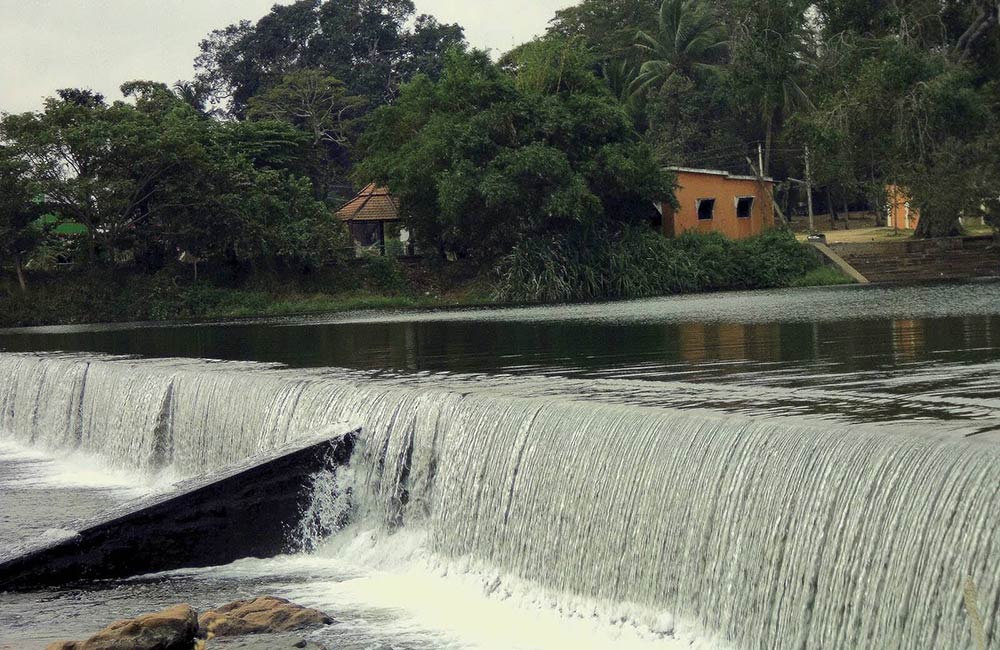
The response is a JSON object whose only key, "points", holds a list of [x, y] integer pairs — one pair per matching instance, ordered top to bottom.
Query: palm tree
{"points": [[689, 41], [770, 59], [194, 94]]}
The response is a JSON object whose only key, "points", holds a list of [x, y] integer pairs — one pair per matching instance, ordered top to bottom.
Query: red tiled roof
{"points": [[372, 204]]}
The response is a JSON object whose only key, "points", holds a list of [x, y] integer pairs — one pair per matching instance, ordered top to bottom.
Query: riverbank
{"points": [[692, 264], [123, 295], [80, 301]]}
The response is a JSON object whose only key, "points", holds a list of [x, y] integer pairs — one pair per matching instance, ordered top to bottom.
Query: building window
{"points": [[744, 207], [706, 209]]}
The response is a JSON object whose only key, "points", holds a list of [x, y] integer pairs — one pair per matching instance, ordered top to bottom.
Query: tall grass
{"points": [[638, 263], [822, 277], [116, 295]]}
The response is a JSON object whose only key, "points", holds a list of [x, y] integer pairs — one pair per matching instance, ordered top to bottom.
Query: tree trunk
{"points": [[768, 123], [833, 209], [20, 274]]}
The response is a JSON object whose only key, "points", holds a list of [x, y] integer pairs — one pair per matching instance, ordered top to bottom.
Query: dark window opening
{"points": [[744, 207], [706, 209], [656, 217], [366, 233], [369, 235]]}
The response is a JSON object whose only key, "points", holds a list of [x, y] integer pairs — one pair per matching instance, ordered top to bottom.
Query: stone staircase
{"points": [[951, 258]]}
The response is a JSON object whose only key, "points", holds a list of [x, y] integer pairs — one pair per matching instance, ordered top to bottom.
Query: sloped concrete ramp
{"points": [[840, 263], [243, 511]]}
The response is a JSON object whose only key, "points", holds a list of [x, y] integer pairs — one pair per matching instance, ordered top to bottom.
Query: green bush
{"points": [[638, 263], [384, 274], [822, 277], [104, 295]]}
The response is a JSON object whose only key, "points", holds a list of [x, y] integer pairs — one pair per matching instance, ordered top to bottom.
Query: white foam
{"points": [[40, 470], [390, 588]]}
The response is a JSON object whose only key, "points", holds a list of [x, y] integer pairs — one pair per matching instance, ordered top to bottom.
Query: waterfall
{"points": [[776, 533]]}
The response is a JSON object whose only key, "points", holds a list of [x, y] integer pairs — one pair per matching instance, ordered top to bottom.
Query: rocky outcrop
{"points": [[259, 616], [174, 628], [180, 628], [264, 642]]}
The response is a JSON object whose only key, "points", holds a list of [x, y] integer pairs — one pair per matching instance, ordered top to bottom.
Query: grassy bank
{"points": [[638, 268], [822, 276], [102, 296]]}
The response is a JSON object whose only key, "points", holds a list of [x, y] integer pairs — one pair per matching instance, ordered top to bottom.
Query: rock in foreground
{"points": [[259, 616], [174, 628], [284, 641]]}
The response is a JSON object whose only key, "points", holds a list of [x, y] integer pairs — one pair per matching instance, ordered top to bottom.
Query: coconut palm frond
{"points": [[689, 40]]}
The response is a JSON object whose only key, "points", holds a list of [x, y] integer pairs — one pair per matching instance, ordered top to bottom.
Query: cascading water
{"points": [[775, 533]]}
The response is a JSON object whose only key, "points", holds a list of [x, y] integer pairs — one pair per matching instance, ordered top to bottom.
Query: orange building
{"points": [[715, 201], [899, 213]]}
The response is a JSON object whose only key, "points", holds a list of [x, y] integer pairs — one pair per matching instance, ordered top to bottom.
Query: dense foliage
{"points": [[371, 45], [882, 93], [489, 157], [537, 170], [155, 179], [20, 234], [641, 263], [123, 294]]}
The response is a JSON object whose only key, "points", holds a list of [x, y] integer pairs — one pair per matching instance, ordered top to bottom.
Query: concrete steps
{"points": [[952, 258]]}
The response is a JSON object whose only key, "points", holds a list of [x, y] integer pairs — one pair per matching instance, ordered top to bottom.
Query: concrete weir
{"points": [[243, 511]]}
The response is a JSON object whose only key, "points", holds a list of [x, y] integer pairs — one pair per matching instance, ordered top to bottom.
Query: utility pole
{"points": [[760, 159], [809, 191]]}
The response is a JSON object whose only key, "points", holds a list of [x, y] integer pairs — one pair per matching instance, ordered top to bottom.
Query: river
{"points": [[629, 462]]}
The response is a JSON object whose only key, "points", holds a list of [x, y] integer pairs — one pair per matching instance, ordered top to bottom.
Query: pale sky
{"points": [[99, 44]]}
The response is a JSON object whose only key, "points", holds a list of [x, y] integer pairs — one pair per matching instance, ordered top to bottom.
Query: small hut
{"points": [[717, 201], [373, 217]]}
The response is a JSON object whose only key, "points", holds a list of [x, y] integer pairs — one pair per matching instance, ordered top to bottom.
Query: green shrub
{"points": [[638, 262], [384, 274], [821, 277]]}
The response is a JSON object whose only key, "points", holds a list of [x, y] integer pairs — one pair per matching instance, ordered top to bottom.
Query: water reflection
{"points": [[693, 349]]}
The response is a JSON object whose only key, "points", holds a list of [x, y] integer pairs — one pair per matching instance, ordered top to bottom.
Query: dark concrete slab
{"points": [[242, 511]]}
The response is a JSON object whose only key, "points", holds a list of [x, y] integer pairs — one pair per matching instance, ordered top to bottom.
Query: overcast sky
{"points": [[98, 44]]}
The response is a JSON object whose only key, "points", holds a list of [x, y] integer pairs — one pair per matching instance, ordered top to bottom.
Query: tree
{"points": [[976, 24], [608, 27], [965, 30], [689, 42], [368, 44], [772, 56], [195, 94], [318, 105], [890, 112], [944, 131], [484, 158], [103, 165], [158, 177], [239, 196], [20, 209], [231, 211]]}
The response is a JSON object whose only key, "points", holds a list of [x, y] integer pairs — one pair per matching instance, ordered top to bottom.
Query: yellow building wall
{"points": [[694, 186], [901, 214]]}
